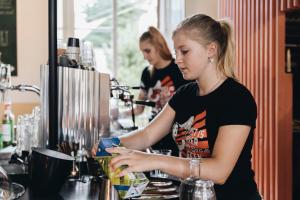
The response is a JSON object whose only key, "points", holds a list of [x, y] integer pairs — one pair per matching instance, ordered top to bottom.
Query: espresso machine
{"points": [[83, 107]]}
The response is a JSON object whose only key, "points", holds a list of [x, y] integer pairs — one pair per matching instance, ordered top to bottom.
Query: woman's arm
{"points": [[139, 109], [159, 127], [144, 138], [229, 144], [227, 149]]}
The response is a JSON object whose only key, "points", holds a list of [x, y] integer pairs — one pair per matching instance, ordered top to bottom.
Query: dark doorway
{"points": [[293, 66]]}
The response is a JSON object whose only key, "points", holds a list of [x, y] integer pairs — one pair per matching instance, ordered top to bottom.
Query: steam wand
{"points": [[22, 88], [125, 95], [132, 113]]}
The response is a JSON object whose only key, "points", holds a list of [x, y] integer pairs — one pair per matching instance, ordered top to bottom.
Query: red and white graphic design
{"points": [[161, 92], [191, 137]]}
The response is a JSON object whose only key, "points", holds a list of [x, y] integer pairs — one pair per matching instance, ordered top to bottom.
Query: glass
{"points": [[93, 22], [61, 47], [87, 54], [28, 131], [157, 173], [187, 186], [193, 188], [8, 189], [204, 190]]}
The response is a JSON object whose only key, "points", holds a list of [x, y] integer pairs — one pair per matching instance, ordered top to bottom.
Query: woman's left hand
{"points": [[136, 161]]}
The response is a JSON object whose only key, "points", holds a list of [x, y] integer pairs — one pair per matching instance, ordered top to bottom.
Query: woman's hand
{"points": [[94, 149], [136, 161]]}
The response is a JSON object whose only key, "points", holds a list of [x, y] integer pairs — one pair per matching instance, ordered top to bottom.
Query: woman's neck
{"points": [[162, 64], [209, 81]]}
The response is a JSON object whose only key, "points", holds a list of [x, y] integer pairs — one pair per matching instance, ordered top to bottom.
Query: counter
{"points": [[71, 190], [87, 190]]}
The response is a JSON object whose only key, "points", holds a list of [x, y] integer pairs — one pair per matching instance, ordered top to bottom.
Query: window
{"points": [[114, 27]]}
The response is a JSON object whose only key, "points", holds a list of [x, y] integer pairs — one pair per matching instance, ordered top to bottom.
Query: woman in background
{"points": [[159, 80]]}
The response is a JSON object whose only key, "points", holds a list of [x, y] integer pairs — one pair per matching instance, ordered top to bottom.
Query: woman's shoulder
{"points": [[146, 71], [235, 86], [237, 91]]}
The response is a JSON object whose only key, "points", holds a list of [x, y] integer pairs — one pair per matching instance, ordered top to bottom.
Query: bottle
{"points": [[7, 125], [1, 142], [187, 186]]}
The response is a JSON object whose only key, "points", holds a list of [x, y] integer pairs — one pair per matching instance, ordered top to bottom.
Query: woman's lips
{"points": [[183, 70]]}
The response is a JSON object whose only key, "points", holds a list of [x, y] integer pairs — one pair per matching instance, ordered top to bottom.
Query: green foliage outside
{"points": [[130, 59]]}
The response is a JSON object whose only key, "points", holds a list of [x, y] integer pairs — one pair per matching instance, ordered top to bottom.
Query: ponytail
{"points": [[226, 58]]}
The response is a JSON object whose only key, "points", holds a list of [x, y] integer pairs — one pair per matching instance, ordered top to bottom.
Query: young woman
{"points": [[159, 80], [213, 118]]}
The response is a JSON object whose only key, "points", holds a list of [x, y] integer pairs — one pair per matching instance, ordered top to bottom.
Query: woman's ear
{"points": [[212, 49]]}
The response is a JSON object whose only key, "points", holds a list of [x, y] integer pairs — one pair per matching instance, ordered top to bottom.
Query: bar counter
{"points": [[87, 188]]}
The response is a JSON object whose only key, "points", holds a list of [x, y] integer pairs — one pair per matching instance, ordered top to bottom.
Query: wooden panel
{"points": [[286, 5], [259, 27]]}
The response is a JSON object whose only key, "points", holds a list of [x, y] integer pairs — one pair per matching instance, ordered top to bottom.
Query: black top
{"points": [[161, 84], [197, 122]]}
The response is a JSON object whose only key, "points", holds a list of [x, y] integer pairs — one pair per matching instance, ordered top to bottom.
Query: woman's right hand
{"points": [[94, 149], [137, 161]]}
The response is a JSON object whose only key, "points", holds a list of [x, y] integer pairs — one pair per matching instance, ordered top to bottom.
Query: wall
{"points": [[208, 7], [32, 45], [260, 65]]}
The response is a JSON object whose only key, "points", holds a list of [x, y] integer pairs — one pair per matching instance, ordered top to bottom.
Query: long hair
{"points": [[205, 30], [157, 40]]}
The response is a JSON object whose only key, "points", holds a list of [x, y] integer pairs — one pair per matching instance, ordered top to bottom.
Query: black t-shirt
{"points": [[161, 84], [198, 119]]}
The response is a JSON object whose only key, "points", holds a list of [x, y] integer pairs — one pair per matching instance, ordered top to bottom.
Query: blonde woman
{"points": [[213, 118]]}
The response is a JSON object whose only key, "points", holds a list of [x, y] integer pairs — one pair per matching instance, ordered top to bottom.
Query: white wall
{"points": [[208, 7], [32, 45]]}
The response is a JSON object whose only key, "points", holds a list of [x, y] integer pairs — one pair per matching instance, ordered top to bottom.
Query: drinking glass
{"points": [[61, 47], [87, 54], [28, 131], [187, 185], [9, 190], [204, 190]]}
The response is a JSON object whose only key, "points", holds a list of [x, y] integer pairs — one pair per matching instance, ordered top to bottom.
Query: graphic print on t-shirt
{"points": [[161, 92], [191, 137]]}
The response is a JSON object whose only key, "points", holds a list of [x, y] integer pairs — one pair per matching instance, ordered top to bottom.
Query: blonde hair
{"points": [[205, 30], [157, 40]]}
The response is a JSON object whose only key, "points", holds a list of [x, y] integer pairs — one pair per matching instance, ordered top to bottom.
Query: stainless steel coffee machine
{"points": [[83, 107]]}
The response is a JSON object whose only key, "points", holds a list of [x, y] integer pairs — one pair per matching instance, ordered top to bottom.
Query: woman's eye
{"points": [[147, 51], [184, 52]]}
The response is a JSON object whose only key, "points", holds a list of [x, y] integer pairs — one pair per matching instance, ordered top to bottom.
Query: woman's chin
{"points": [[186, 77]]}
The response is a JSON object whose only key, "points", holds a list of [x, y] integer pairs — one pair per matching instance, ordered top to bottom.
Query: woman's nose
{"points": [[145, 56], [178, 59]]}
